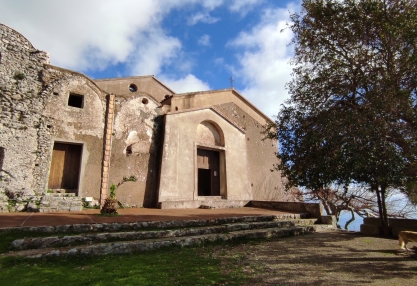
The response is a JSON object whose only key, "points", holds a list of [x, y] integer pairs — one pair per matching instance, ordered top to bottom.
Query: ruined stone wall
{"points": [[21, 103], [134, 149], [265, 185]]}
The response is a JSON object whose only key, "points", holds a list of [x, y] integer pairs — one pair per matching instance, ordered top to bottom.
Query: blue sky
{"points": [[190, 45]]}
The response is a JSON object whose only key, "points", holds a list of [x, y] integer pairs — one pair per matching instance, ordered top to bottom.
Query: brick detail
{"points": [[107, 148]]}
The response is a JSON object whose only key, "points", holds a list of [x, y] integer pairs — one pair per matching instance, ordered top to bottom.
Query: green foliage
{"points": [[352, 115], [113, 188], [109, 207]]}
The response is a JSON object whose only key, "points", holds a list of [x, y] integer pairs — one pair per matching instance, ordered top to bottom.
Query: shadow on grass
{"points": [[330, 259]]}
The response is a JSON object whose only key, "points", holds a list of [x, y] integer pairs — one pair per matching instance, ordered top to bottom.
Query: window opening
{"points": [[133, 88], [76, 100], [144, 100], [129, 150], [1, 158], [208, 167]]}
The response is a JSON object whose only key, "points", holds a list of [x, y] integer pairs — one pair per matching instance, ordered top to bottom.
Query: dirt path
{"points": [[332, 258]]}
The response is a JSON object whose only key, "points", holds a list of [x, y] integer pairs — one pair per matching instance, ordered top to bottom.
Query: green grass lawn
{"points": [[186, 266]]}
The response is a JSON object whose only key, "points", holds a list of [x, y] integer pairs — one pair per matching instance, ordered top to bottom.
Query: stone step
{"points": [[133, 226], [55, 241], [152, 244]]}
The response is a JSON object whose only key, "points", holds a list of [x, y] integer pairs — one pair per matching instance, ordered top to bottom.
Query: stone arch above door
{"points": [[209, 133]]}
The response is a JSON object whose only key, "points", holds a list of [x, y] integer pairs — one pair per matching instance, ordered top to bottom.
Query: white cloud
{"points": [[244, 6], [203, 17], [81, 34], [91, 35], [204, 40], [153, 50], [218, 61], [263, 62], [188, 83]]}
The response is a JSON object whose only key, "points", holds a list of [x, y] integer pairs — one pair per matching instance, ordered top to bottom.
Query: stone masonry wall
{"points": [[21, 104]]}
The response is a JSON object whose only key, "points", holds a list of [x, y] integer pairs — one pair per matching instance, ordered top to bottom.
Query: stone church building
{"points": [[65, 136]]}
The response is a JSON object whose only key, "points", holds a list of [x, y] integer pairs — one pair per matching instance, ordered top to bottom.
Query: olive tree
{"points": [[352, 115]]}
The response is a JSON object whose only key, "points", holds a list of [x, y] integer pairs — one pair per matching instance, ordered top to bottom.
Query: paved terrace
{"points": [[19, 219]]}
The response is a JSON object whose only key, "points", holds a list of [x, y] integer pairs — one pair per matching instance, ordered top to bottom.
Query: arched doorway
{"points": [[210, 171]]}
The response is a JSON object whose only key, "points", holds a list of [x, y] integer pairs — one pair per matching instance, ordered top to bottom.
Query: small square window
{"points": [[76, 100]]}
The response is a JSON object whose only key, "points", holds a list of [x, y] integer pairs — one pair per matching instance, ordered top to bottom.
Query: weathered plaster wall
{"points": [[145, 85], [68, 124], [134, 149], [178, 169], [265, 185]]}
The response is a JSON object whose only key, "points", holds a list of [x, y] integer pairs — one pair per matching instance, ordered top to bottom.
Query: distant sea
{"points": [[354, 225]]}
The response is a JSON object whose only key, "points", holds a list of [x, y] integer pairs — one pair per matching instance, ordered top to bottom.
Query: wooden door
{"points": [[57, 166], [65, 166], [208, 168]]}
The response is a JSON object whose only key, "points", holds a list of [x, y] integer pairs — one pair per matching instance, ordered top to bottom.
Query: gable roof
{"points": [[215, 97], [215, 110]]}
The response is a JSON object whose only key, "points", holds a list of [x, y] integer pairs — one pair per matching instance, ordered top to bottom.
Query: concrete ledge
{"points": [[213, 203], [179, 205], [314, 209], [394, 222], [371, 225], [370, 229]]}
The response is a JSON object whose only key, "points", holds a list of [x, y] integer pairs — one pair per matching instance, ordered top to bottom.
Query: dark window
{"points": [[133, 88], [76, 100], [144, 101], [129, 150], [1, 158]]}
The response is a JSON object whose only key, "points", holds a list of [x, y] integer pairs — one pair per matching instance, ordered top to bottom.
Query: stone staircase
{"points": [[55, 202], [117, 238]]}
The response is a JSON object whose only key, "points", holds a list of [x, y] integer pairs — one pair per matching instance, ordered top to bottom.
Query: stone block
{"points": [[4, 207], [32, 207], [75, 208], [329, 220]]}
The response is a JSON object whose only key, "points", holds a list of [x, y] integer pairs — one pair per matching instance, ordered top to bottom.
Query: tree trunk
{"points": [[382, 209], [381, 213], [351, 219], [385, 228]]}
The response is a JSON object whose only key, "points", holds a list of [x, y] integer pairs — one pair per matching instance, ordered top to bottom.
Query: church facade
{"points": [[64, 134]]}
